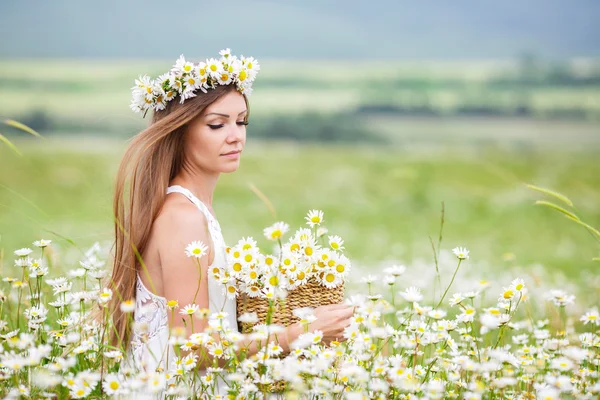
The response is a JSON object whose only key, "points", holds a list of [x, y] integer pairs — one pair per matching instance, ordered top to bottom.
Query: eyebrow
{"points": [[224, 115]]}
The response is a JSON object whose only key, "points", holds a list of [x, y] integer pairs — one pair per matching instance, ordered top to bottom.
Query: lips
{"points": [[232, 152]]}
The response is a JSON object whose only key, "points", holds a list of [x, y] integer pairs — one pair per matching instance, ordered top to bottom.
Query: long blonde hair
{"points": [[152, 159]]}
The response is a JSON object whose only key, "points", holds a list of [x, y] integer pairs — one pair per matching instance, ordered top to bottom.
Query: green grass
{"points": [[384, 201]]}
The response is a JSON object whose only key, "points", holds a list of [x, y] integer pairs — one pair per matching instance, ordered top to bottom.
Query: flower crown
{"points": [[186, 77]]}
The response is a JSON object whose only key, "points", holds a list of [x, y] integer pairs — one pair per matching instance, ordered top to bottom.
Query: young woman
{"points": [[164, 201]]}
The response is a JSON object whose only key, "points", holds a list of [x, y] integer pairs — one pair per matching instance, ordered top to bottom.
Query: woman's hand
{"points": [[332, 320]]}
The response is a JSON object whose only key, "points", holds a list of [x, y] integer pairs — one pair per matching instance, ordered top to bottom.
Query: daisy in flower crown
{"points": [[186, 78]]}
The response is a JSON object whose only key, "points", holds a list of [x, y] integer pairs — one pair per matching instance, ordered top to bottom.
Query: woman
{"points": [[164, 201]]}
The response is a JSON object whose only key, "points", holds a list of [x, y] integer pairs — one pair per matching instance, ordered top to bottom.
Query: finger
{"points": [[338, 306], [346, 313]]}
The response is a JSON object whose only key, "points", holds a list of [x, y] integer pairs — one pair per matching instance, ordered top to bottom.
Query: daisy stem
{"points": [[199, 280], [451, 282]]}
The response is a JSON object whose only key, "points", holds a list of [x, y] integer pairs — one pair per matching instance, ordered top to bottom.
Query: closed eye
{"points": [[219, 126]]}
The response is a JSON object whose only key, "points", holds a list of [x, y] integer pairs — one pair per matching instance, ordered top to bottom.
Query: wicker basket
{"points": [[311, 294]]}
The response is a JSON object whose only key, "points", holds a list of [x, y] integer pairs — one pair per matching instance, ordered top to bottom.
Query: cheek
{"points": [[201, 145]]}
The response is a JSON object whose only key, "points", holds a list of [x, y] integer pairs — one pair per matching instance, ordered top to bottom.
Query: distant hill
{"points": [[314, 29]]}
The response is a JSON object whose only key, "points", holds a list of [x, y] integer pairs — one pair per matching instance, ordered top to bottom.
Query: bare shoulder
{"points": [[177, 212], [178, 224]]}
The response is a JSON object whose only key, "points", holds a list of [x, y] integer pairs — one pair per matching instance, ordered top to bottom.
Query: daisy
{"points": [[225, 54], [251, 65], [183, 67], [215, 67], [202, 71], [224, 78], [191, 82], [314, 217], [276, 231], [42, 243], [247, 243], [336, 243], [196, 249], [24, 252], [461, 253], [342, 265], [395, 270], [330, 279], [518, 284], [64, 287], [231, 291], [412, 294], [105, 296], [560, 298], [172, 304], [128, 306], [190, 309], [436, 314], [467, 315], [591, 316], [248, 318], [65, 322], [111, 384]]}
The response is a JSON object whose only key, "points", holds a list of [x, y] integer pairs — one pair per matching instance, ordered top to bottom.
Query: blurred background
{"points": [[375, 112]]}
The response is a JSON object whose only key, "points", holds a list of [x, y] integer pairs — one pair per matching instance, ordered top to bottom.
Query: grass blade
{"points": [[22, 127], [9, 144], [549, 192], [558, 208], [588, 227]]}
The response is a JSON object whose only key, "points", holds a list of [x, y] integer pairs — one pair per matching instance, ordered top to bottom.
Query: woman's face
{"points": [[215, 139]]}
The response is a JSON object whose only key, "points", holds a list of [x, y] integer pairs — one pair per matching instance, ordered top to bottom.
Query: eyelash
{"points": [[222, 125]]}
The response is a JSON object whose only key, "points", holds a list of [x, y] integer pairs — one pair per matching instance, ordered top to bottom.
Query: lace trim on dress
{"points": [[151, 312]]}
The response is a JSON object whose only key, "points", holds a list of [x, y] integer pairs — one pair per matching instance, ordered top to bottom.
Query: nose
{"points": [[236, 133]]}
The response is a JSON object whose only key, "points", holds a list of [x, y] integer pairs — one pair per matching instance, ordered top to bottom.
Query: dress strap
{"points": [[212, 221]]}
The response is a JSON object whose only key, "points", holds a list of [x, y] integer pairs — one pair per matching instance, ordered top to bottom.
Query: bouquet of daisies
{"points": [[305, 271]]}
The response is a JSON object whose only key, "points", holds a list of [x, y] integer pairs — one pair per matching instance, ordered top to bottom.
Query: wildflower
{"points": [[314, 217], [276, 231], [321, 231], [336, 242], [42, 243], [196, 249], [24, 252], [461, 253], [395, 270], [518, 284], [412, 294], [105, 296], [560, 298], [456, 299], [172, 304], [127, 306], [190, 309], [436, 314], [467, 315], [591, 317], [248, 318], [111, 384]]}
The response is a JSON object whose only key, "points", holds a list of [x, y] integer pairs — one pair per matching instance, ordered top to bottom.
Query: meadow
{"points": [[386, 198], [384, 201]]}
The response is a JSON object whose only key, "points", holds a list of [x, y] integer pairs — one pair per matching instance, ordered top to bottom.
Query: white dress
{"points": [[151, 310]]}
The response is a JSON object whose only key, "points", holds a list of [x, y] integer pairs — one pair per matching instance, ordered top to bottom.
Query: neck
{"points": [[202, 185]]}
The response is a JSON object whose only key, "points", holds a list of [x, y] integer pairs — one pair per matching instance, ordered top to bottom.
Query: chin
{"points": [[230, 168]]}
